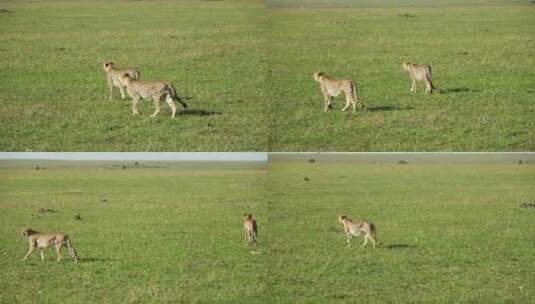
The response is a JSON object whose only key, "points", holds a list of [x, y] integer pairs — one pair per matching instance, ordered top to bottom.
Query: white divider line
{"points": [[137, 156], [366, 157]]}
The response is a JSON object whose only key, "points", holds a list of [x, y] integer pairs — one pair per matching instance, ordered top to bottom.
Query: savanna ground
{"points": [[482, 54], [245, 67], [53, 89], [147, 233], [172, 233], [450, 233]]}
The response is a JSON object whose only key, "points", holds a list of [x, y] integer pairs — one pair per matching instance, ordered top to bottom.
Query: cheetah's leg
{"points": [[428, 86], [413, 88], [110, 90], [123, 96], [327, 99], [135, 102], [348, 102], [171, 103], [360, 103], [156, 108], [348, 239], [365, 241], [373, 241], [30, 251], [58, 252]]}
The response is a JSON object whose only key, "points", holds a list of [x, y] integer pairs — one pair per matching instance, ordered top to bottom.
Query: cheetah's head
{"points": [[107, 65], [317, 75], [27, 232]]}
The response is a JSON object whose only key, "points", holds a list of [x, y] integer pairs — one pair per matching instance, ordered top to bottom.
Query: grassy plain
{"points": [[482, 54], [245, 69], [53, 91], [147, 233], [150, 233], [450, 233]]}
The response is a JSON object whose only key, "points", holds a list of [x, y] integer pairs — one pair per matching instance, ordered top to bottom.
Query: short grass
{"points": [[482, 54], [245, 68], [53, 91], [449, 233], [146, 234]]}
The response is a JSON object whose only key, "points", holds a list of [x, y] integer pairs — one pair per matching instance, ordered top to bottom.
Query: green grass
{"points": [[482, 58], [247, 65], [53, 88], [449, 233], [164, 234]]}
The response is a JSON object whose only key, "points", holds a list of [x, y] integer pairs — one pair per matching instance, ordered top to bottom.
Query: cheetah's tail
{"points": [[172, 92], [356, 98], [71, 249]]}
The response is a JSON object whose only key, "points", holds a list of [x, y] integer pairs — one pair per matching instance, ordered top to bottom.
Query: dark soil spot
{"points": [[528, 205], [45, 210]]}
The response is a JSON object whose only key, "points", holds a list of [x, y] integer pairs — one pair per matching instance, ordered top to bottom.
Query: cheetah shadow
{"points": [[407, 15], [458, 90], [186, 98], [384, 108], [194, 112], [197, 112], [399, 246], [95, 260]]}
